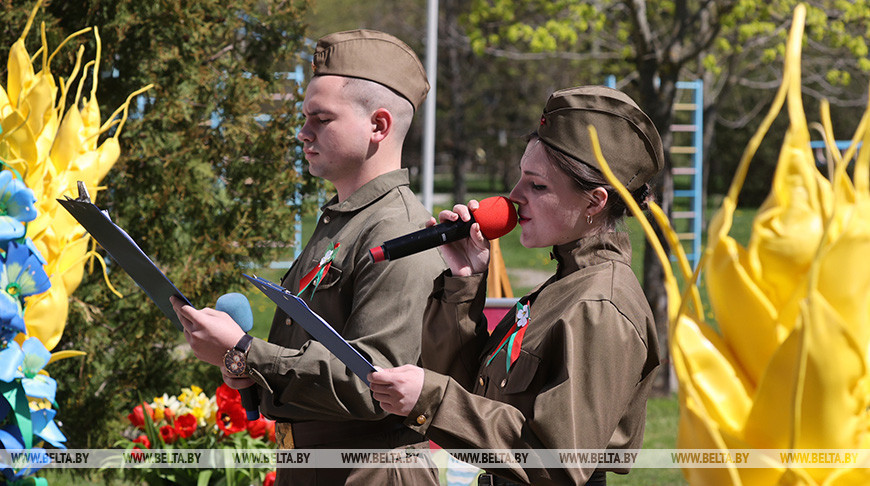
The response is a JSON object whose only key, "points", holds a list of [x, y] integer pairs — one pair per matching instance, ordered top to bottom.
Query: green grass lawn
{"points": [[662, 415]]}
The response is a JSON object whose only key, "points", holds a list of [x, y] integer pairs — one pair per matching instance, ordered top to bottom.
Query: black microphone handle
{"points": [[427, 238], [250, 402]]}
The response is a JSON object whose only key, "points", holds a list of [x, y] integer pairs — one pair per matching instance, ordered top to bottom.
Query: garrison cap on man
{"points": [[375, 56], [629, 141]]}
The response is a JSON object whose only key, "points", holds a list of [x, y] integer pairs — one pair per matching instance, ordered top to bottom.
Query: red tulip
{"points": [[226, 394], [137, 417], [231, 417], [185, 425], [270, 426], [257, 428], [168, 434], [143, 439], [269, 480]]}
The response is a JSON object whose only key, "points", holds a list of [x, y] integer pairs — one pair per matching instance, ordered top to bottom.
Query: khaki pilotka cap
{"points": [[372, 55], [629, 141]]}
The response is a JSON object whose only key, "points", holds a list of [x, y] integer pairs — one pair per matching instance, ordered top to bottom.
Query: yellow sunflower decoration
{"points": [[50, 148], [788, 368]]}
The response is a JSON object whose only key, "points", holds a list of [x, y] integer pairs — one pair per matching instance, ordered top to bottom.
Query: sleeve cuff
{"points": [[462, 289], [261, 359], [424, 411]]}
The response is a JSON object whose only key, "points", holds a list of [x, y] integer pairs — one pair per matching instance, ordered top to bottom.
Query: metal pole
{"points": [[429, 106]]}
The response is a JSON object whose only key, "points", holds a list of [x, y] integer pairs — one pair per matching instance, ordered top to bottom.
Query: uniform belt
{"points": [[313, 433]]}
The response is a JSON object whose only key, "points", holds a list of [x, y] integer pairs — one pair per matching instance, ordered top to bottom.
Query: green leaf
{"points": [[203, 478]]}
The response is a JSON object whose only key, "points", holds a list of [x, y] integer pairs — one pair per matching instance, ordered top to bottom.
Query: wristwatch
{"points": [[236, 359]]}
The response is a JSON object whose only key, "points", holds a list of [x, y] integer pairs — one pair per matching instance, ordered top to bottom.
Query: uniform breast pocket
{"points": [[332, 277], [522, 373]]}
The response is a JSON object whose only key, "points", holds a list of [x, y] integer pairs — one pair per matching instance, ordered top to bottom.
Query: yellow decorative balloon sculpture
{"points": [[51, 150], [788, 369]]}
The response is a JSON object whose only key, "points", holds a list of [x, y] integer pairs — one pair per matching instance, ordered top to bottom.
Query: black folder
{"points": [[125, 252], [319, 329]]}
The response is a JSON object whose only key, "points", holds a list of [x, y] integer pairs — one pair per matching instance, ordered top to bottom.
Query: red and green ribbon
{"points": [[316, 274], [514, 337]]}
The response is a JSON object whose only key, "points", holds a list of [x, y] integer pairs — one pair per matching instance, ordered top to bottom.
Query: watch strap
{"points": [[244, 343]]}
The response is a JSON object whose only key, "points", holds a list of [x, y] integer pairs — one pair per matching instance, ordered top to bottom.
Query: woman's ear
{"points": [[382, 124], [597, 201]]}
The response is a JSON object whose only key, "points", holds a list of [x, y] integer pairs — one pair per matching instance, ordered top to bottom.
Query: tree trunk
{"points": [[657, 99]]}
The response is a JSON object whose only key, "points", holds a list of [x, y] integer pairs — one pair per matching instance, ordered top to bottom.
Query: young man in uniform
{"points": [[358, 108]]}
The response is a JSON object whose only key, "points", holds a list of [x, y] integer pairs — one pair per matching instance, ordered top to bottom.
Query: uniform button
{"points": [[326, 220], [288, 321], [480, 380], [503, 383], [421, 419]]}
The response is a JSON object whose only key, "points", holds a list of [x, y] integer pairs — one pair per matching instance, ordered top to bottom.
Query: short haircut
{"points": [[369, 96]]}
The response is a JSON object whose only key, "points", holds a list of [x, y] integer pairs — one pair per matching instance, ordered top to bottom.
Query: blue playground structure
{"points": [[687, 165]]}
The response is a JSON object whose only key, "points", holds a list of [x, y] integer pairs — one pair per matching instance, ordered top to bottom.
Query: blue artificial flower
{"points": [[16, 206], [33, 249], [23, 273], [11, 320], [11, 362], [36, 384], [45, 428], [10, 439]]}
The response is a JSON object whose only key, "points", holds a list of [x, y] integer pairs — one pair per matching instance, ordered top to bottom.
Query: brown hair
{"points": [[588, 178]]}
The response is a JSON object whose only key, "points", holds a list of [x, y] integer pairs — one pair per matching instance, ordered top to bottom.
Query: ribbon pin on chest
{"points": [[316, 274], [514, 338]]}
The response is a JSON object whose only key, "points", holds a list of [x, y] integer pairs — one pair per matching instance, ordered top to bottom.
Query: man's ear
{"points": [[382, 124], [597, 200]]}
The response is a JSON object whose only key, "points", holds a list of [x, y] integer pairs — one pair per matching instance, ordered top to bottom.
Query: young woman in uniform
{"points": [[571, 367]]}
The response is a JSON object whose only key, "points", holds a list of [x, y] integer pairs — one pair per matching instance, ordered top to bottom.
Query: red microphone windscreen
{"points": [[497, 216]]}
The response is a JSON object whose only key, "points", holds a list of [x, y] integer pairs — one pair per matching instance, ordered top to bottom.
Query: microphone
{"points": [[496, 215], [238, 307]]}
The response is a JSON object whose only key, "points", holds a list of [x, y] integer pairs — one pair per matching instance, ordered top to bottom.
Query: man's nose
{"points": [[304, 135]]}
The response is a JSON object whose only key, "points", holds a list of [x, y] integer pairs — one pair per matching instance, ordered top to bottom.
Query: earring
{"points": [[588, 219]]}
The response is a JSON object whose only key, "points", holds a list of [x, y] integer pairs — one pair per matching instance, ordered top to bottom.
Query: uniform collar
{"points": [[369, 192], [592, 250]]}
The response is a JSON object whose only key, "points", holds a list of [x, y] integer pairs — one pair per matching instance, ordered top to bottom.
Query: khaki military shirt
{"points": [[377, 307], [582, 377]]}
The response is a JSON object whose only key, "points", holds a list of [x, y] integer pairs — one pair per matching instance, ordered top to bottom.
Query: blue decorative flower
{"points": [[16, 206], [33, 249], [23, 273], [11, 320], [11, 361], [36, 384], [45, 428], [10, 439]]}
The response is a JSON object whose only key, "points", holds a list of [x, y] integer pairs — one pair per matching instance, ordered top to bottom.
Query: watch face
{"points": [[234, 361]]}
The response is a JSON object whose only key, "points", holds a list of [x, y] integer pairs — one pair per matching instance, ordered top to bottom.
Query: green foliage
{"points": [[542, 26], [204, 183]]}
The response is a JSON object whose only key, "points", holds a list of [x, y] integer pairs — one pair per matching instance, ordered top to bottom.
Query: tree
{"points": [[656, 43], [204, 183]]}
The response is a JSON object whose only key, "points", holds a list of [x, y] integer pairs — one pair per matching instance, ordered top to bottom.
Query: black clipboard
{"points": [[125, 252], [319, 329]]}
